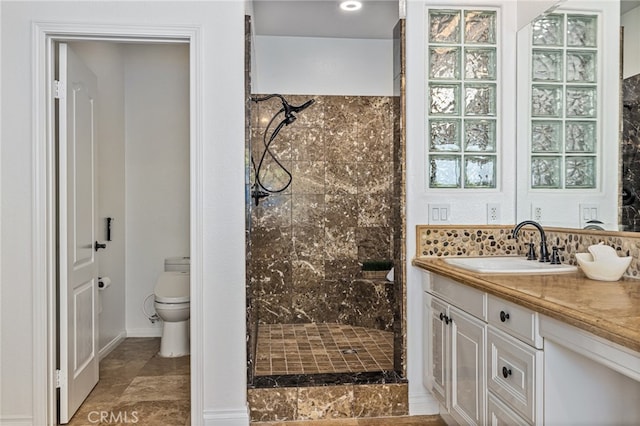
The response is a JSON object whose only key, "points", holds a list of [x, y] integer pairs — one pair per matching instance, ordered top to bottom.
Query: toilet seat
{"points": [[172, 287], [171, 306]]}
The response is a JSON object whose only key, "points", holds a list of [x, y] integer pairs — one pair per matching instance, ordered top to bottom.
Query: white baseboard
{"points": [[144, 332], [106, 350], [423, 404], [226, 417], [16, 420]]}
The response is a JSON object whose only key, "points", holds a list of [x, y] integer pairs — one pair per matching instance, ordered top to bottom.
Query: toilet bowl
{"points": [[173, 307]]}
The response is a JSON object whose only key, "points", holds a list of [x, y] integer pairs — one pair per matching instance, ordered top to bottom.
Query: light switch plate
{"points": [[439, 213]]}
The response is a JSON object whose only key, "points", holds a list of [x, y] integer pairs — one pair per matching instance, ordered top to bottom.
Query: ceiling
{"points": [[627, 5], [323, 18]]}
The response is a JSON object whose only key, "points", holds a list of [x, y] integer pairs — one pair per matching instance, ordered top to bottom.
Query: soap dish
{"points": [[602, 263]]}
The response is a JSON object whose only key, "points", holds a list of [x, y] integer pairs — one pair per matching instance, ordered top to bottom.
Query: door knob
{"points": [[99, 246]]}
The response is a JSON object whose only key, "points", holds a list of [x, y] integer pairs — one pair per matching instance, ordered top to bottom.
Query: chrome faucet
{"points": [[544, 252]]}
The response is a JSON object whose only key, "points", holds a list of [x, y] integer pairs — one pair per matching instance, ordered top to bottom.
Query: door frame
{"points": [[44, 221]]}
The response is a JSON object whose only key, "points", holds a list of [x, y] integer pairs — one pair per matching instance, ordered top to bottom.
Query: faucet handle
{"points": [[544, 252], [531, 255], [555, 257]]}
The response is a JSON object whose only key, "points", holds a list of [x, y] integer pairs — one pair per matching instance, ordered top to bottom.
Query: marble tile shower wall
{"points": [[630, 216], [482, 240], [307, 243]]}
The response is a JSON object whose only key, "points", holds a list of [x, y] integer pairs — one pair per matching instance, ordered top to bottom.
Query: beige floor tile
{"points": [[159, 366], [138, 387], [157, 388], [154, 413], [380, 421], [403, 421]]}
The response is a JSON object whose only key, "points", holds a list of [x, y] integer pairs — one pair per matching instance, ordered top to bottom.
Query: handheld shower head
{"points": [[287, 108], [290, 109], [259, 190]]}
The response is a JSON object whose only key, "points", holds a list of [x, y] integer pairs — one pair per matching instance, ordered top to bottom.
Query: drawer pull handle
{"points": [[504, 316], [442, 317], [506, 372]]}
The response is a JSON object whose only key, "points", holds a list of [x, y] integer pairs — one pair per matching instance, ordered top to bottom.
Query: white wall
{"points": [[631, 50], [106, 61], [323, 66], [157, 170], [466, 206], [16, 264], [219, 395]]}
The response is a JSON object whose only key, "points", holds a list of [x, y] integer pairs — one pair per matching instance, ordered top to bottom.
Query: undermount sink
{"points": [[507, 265]]}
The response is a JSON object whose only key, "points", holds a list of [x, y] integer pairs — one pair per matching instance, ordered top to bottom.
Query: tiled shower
{"points": [[313, 314]]}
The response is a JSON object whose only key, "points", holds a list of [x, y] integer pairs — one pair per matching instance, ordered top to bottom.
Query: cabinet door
{"points": [[437, 348], [468, 391]]}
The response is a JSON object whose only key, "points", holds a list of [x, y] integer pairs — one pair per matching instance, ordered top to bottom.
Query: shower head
{"points": [[287, 108], [290, 109], [259, 190]]}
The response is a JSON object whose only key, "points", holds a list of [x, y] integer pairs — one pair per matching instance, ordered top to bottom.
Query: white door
{"points": [[78, 269]]}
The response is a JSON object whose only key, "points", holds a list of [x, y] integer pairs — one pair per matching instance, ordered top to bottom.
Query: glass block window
{"points": [[462, 98], [564, 101]]}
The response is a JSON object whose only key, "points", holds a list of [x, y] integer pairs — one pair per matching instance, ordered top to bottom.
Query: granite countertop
{"points": [[610, 310]]}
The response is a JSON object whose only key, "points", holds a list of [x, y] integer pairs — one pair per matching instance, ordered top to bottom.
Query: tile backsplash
{"points": [[482, 240]]}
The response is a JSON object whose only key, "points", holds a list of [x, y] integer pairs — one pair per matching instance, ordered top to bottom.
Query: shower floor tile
{"points": [[321, 348]]}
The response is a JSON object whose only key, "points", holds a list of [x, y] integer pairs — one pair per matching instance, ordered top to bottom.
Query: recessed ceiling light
{"points": [[350, 5]]}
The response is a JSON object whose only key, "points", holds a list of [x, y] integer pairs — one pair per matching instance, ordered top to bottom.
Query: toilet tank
{"points": [[178, 264]]}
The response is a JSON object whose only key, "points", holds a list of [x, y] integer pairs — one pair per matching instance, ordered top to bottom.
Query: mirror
{"points": [[528, 10], [630, 201], [607, 206]]}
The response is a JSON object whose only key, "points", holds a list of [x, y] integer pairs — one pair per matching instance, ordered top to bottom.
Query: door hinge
{"points": [[58, 89], [59, 379]]}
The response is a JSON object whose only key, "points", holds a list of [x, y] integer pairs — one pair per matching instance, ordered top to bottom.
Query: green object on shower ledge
{"points": [[376, 265]]}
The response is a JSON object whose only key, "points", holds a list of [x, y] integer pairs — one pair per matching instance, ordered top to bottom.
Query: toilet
{"points": [[173, 307]]}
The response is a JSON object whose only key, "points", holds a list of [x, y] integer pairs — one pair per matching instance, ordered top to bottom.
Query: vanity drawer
{"points": [[464, 297], [514, 320], [515, 374], [499, 414]]}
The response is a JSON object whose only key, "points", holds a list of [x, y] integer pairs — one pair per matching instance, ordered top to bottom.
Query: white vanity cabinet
{"points": [[456, 350], [483, 355], [515, 359]]}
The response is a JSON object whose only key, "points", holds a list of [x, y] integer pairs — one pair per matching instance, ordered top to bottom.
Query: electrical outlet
{"points": [[439, 213], [493, 213], [536, 213]]}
